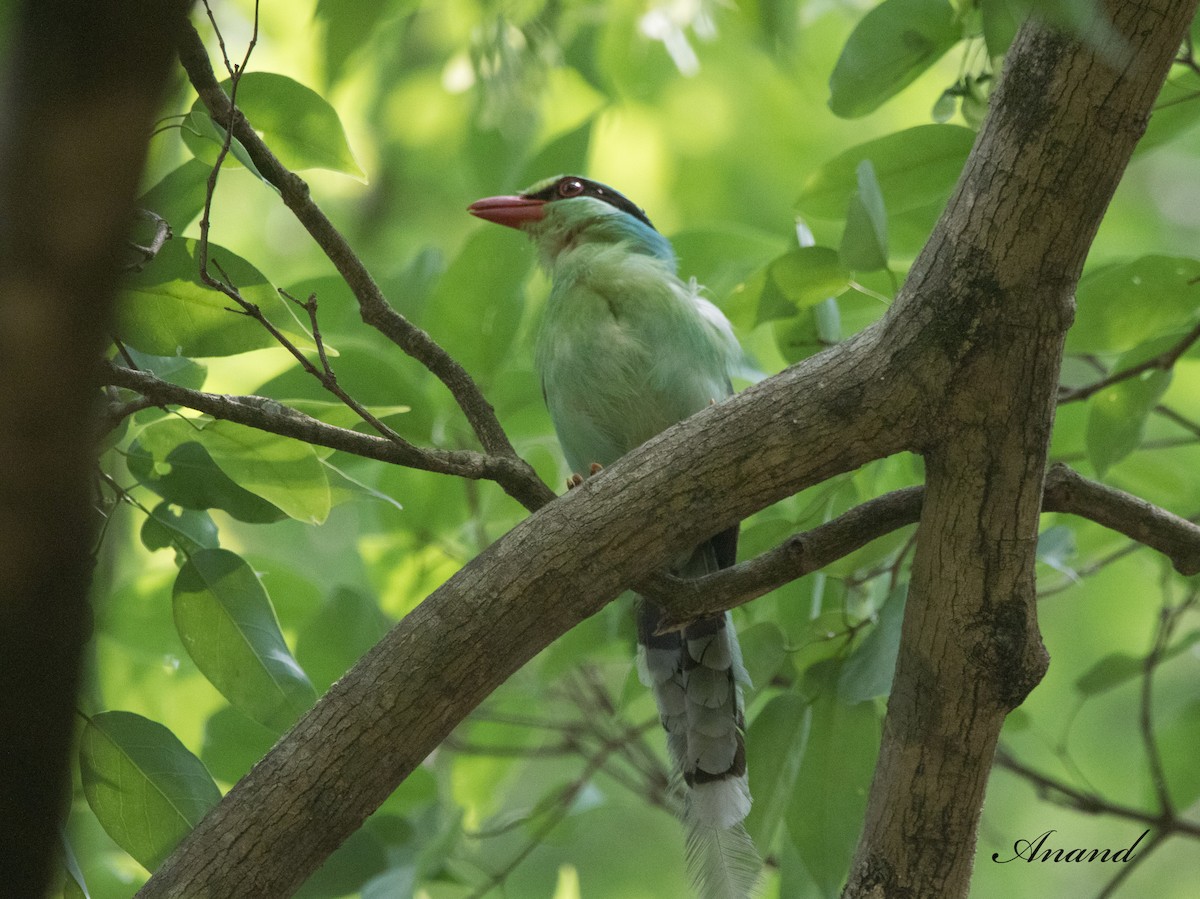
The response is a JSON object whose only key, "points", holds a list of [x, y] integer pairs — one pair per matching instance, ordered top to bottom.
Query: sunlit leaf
{"points": [[892, 44], [299, 125], [205, 138], [915, 168], [1120, 306], [166, 310], [172, 464], [285, 472], [228, 627], [144, 786]]}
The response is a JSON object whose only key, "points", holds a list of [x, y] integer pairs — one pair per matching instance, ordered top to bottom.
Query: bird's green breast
{"points": [[623, 352]]}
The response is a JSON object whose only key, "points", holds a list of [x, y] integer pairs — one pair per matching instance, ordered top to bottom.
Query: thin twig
{"points": [[375, 309], [1162, 362], [1090, 803]]}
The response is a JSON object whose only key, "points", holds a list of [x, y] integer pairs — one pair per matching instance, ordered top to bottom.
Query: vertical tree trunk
{"points": [[80, 94], [1002, 267]]}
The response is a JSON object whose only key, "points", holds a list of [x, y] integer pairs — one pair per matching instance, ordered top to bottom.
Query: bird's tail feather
{"points": [[697, 678]]}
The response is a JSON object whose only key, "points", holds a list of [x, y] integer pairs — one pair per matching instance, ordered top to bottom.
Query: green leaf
{"points": [[1001, 19], [346, 23], [893, 44], [1174, 112], [297, 123], [205, 138], [915, 169], [179, 196], [865, 241], [723, 257], [807, 276], [478, 303], [1120, 306], [166, 310], [177, 369], [1117, 417], [285, 472], [183, 473], [187, 530], [228, 627], [336, 637], [764, 650], [1118, 668], [868, 671], [233, 742], [775, 745], [1177, 745], [143, 785], [826, 810], [348, 869]]}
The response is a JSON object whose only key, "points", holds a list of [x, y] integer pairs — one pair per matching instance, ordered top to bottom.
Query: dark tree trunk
{"points": [[82, 87]]}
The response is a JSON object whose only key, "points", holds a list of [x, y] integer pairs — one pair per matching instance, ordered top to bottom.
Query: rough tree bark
{"points": [[82, 87], [993, 292], [963, 369]]}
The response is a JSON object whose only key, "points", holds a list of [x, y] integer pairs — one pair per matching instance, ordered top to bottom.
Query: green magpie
{"points": [[627, 349]]}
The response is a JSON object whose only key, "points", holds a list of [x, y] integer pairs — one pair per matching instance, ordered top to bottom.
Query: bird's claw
{"points": [[576, 478]]}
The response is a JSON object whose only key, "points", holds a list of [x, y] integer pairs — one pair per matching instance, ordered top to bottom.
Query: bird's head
{"points": [[568, 211]]}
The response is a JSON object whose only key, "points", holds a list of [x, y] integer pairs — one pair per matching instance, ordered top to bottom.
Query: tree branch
{"points": [[994, 287], [374, 307], [1162, 362], [276, 418], [1065, 491], [1176, 538], [1090, 803]]}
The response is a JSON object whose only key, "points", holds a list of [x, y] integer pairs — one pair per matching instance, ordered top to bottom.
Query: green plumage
{"points": [[626, 349]]}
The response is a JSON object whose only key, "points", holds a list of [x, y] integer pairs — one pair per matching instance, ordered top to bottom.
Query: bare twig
{"points": [[162, 233], [374, 307], [1162, 362], [276, 418], [1168, 619], [1064, 794]]}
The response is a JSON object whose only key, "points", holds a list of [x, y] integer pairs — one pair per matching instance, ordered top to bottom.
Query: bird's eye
{"points": [[571, 187]]}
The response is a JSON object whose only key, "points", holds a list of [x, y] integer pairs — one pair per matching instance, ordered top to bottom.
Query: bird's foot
{"points": [[576, 479]]}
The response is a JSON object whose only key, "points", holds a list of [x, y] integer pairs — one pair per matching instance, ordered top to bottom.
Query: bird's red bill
{"points": [[512, 211]]}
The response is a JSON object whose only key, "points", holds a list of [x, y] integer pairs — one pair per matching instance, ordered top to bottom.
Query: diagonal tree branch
{"points": [[374, 307], [1162, 362], [963, 368]]}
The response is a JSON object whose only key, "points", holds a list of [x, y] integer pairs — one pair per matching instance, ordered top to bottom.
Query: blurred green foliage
{"points": [[284, 562]]}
